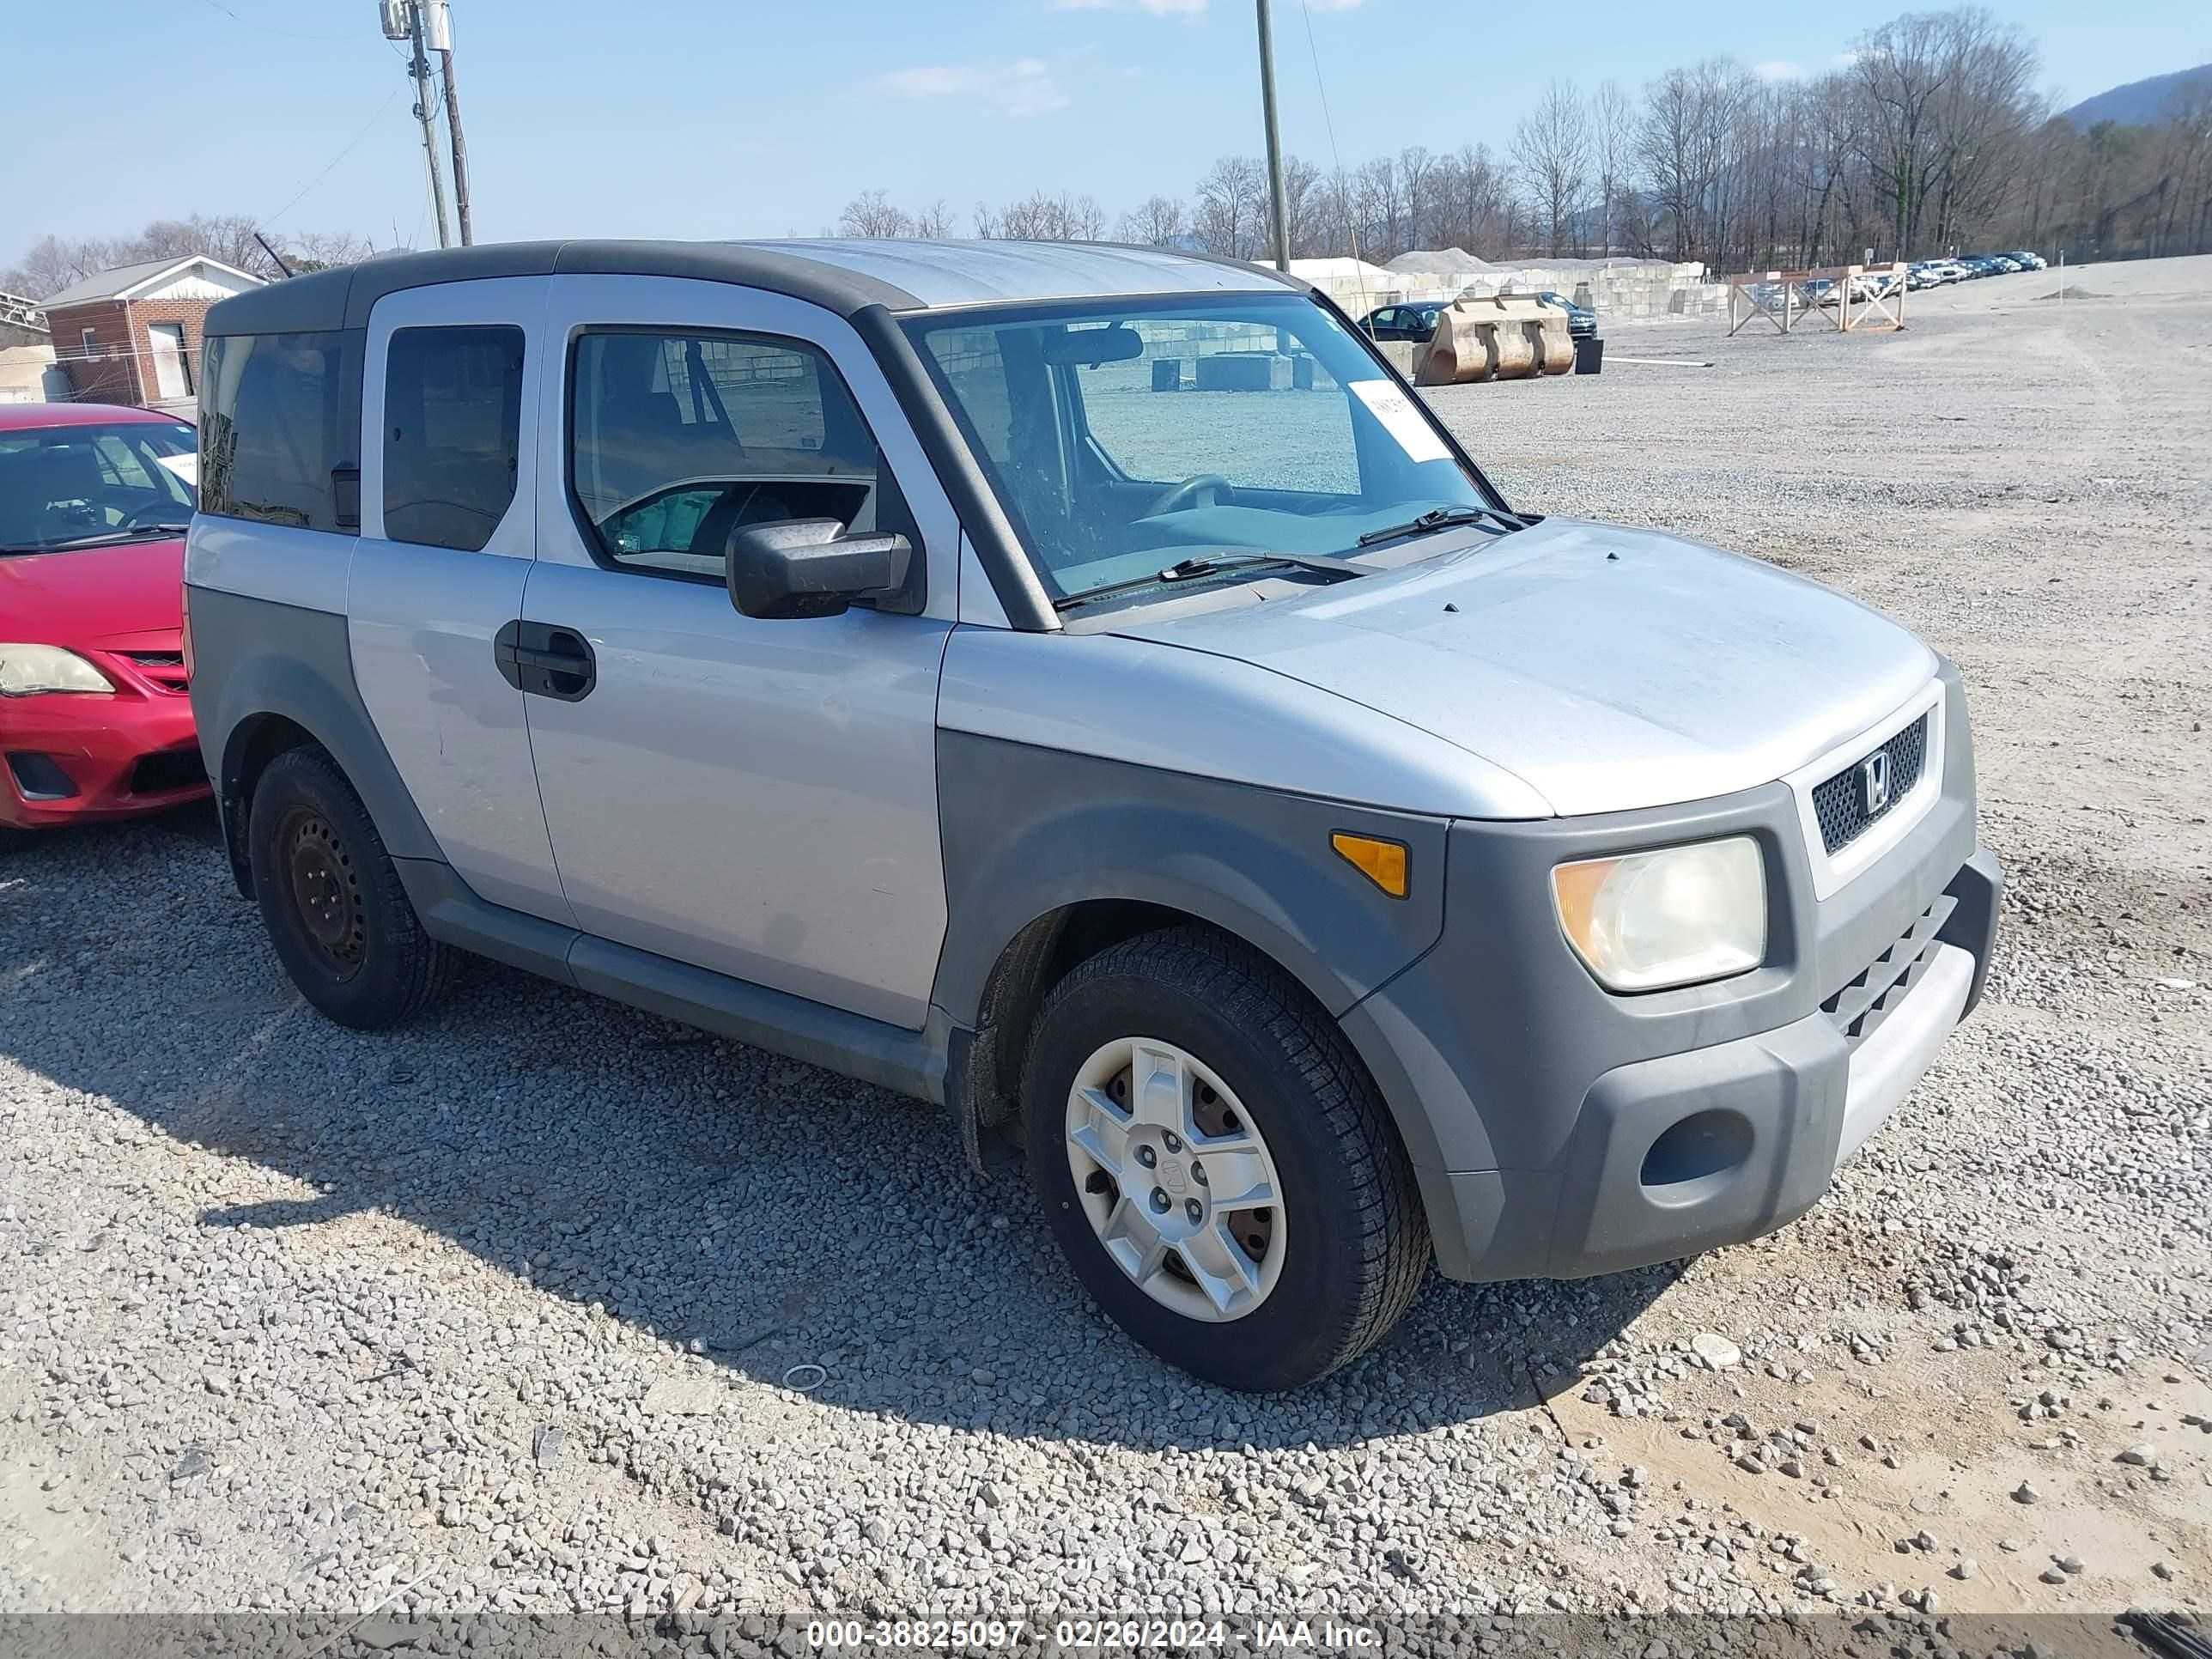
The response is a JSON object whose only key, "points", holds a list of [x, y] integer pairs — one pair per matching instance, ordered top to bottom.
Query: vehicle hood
{"points": [[90, 596], [1607, 668]]}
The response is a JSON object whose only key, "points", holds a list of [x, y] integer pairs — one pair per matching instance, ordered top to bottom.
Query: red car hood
{"points": [[116, 599]]}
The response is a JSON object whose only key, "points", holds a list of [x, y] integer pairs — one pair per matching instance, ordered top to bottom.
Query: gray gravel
{"points": [[547, 1305]]}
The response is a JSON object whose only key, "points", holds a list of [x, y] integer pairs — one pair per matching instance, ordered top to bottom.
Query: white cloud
{"points": [[1845, 60], [1778, 68], [1024, 87]]}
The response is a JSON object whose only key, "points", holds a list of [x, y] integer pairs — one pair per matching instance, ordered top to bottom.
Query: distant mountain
{"points": [[2139, 103]]}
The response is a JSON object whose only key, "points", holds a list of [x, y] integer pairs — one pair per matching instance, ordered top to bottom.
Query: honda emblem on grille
{"points": [[1873, 781]]}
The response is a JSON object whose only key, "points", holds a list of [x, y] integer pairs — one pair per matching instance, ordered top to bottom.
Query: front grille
{"points": [[165, 668], [169, 769], [1840, 803], [1858, 1009]]}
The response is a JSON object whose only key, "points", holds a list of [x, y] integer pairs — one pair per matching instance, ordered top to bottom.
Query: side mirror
{"points": [[811, 567]]}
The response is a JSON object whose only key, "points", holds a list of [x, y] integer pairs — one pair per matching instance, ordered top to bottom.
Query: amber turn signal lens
{"points": [[1382, 862]]}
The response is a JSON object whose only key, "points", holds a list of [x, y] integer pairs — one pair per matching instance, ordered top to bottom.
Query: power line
{"points": [[271, 29], [352, 144], [1335, 155]]}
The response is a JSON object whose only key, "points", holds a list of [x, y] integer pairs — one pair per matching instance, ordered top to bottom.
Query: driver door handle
{"points": [[545, 659]]}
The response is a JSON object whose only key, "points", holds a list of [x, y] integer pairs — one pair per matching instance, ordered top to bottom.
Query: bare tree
{"points": [[1903, 68], [1613, 126], [1552, 145], [1681, 145], [1418, 178], [1302, 190], [1473, 202], [1378, 210], [871, 214], [1232, 216], [1038, 217], [933, 222], [1156, 222], [989, 227], [1324, 227], [322, 250], [53, 264]]}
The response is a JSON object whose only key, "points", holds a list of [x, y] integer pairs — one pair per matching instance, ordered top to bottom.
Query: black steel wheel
{"points": [[336, 914]]}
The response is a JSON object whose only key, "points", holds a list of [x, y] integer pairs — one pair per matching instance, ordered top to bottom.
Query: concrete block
{"points": [[1244, 370]]}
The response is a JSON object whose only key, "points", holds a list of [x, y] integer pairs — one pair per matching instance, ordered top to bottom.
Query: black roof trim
{"points": [[329, 299]]}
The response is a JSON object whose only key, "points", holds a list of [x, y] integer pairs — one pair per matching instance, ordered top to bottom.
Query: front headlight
{"points": [[27, 670], [1646, 921]]}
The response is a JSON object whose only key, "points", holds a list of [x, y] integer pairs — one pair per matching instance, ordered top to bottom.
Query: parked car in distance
{"points": [[1415, 322], [1582, 322], [94, 721], [1321, 868]]}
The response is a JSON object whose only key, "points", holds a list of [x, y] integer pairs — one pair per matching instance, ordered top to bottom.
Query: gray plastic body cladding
{"points": [[256, 657], [1029, 830], [1497, 1036], [905, 1062]]}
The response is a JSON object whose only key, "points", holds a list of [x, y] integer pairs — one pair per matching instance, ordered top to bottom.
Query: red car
{"points": [[94, 721]]}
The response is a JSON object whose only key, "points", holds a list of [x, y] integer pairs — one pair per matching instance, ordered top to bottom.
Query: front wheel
{"points": [[1216, 1163]]}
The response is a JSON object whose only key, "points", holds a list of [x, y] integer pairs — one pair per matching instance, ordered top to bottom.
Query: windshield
{"points": [[1125, 437], [62, 485]]}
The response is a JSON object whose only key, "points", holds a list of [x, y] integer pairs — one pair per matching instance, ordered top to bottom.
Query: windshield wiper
{"points": [[1440, 517], [135, 533], [1185, 570]]}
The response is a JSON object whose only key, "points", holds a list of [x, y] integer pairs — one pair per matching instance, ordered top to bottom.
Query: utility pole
{"points": [[427, 114], [454, 129], [1274, 140]]}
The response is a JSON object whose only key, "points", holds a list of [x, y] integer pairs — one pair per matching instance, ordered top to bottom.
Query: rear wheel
{"points": [[340, 921], [1216, 1163]]}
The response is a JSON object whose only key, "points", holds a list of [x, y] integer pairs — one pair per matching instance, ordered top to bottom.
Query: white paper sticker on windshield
{"points": [[1401, 420], [186, 466]]}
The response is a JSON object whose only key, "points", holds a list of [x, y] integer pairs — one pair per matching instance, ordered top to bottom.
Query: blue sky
{"points": [[717, 117]]}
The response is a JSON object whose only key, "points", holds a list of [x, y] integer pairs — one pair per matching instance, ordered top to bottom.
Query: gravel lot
{"points": [[504, 1310]]}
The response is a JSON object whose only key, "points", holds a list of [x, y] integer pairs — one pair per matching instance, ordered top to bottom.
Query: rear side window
{"points": [[453, 414], [280, 429]]}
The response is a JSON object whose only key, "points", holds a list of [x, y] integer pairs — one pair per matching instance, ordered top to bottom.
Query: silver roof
{"points": [[984, 273], [845, 276]]}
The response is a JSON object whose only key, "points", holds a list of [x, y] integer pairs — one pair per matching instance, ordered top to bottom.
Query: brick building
{"points": [[132, 335]]}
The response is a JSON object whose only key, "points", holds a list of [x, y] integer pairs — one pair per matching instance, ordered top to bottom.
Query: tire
{"points": [[340, 921], [1328, 1269]]}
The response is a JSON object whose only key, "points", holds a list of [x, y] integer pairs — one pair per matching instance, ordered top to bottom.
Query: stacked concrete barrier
{"points": [[1506, 337]]}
